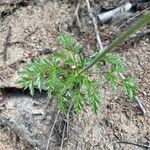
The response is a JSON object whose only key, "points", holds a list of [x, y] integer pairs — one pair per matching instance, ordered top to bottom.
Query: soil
{"points": [[30, 29]]}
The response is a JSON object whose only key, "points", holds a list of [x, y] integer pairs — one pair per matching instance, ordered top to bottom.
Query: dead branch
{"points": [[76, 14], [132, 18], [95, 24], [31, 33], [6, 44], [140, 105], [68, 116], [66, 127], [52, 129], [63, 136], [133, 143]]}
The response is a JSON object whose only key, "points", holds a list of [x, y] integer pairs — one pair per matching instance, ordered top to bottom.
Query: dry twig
{"points": [[76, 14], [130, 19], [95, 24], [31, 33], [6, 44], [140, 105], [68, 116], [66, 127], [52, 129], [63, 136], [133, 143]]}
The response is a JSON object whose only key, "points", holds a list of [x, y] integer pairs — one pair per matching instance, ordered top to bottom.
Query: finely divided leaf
{"points": [[130, 87]]}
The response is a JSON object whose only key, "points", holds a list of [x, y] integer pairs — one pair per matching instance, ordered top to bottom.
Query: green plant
{"points": [[58, 74], [65, 74]]}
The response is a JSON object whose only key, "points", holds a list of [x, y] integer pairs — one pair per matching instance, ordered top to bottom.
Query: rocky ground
{"points": [[30, 29]]}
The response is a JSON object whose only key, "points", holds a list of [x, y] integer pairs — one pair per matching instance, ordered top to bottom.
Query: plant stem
{"points": [[136, 26]]}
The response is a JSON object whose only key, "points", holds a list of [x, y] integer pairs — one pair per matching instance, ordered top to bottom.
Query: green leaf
{"points": [[67, 42], [78, 48], [59, 56], [113, 58], [69, 61], [117, 64], [119, 68], [22, 72], [112, 79], [24, 81], [39, 82], [69, 83], [130, 87], [31, 88], [49, 91], [92, 93], [95, 101], [78, 102], [62, 103]]}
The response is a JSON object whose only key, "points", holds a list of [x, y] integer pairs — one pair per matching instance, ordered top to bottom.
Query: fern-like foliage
{"points": [[118, 66], [59, 76], [130, 88]]}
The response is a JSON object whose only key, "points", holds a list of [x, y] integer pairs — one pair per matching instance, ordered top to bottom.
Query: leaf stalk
{"points": [[119, 40]]}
